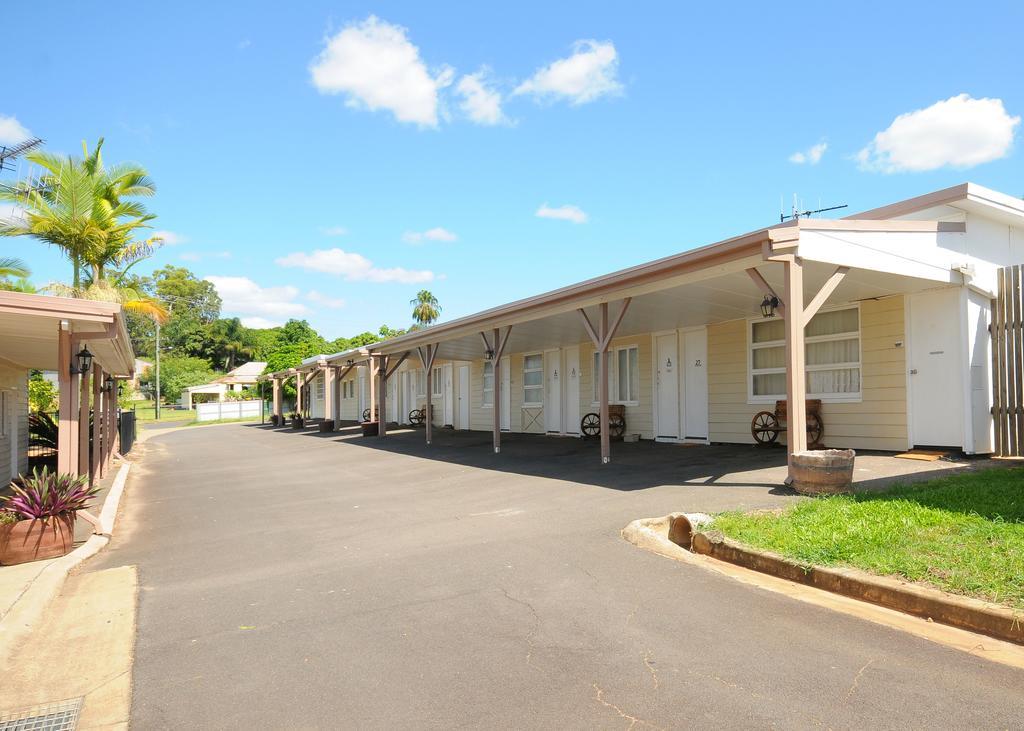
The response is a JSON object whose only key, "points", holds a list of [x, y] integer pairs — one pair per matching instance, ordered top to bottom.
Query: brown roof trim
{"points": [[66, 308]]}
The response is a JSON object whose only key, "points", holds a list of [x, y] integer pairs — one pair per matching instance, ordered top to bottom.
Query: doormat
{"points": [[923, 455], [60, 716]]}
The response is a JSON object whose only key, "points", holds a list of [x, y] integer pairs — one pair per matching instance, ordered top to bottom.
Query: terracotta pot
{"points": [[33, 540]]}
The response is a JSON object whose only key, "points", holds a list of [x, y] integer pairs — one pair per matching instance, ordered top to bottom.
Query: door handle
{"points": [[913, 371]]}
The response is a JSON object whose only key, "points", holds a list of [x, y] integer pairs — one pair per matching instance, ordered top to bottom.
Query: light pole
{"points": [[156, 394]]}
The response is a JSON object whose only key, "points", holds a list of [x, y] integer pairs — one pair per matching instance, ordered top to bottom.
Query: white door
{"points": [[666, 384], [695, 384], [936, 386], [552, 392], [571, 392], [506, 395], [449, 396], [364, 397], [463, 397], [392, 400], [407, 404]]}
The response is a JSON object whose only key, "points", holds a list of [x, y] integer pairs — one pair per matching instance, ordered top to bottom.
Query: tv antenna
{"points": [[9, 154], [797, 213]]}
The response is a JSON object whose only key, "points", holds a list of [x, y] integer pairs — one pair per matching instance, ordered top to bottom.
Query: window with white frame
{"points": [[831, 355], [623, 375], [533, 380], [438, 382], [488, 384], [320, 386]]}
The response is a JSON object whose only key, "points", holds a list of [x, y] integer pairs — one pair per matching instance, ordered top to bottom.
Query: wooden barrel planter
{"points": [[327, 425], [370, 428], [823, 471]]}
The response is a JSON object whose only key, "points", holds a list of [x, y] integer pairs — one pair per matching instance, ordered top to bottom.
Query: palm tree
{"points": [[79, 206], [12, 267], [16, 269], [425, 308]]}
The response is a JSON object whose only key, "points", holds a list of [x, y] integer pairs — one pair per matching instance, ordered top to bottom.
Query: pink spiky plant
{"points": [[45, 494]]}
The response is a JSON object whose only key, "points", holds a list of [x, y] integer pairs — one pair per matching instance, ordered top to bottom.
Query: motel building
{"points": [[883, 317]]}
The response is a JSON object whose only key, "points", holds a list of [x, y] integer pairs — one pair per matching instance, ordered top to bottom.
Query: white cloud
{"points": [[244, 43], [374, 64], [588, 74], [481, 102], [12, 131], [959, 132], [811, 156], [562, 213], [333, 230], [434, 234], [171, 238], [352, 266], [325, 300], [251, 302], [260, 323]]}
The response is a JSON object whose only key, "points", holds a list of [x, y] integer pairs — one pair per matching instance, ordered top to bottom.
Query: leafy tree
{"points": [[80, 206], [14, 274], [425, 308], [300, 331], [232, 342], [176, 374], [42, 394]]}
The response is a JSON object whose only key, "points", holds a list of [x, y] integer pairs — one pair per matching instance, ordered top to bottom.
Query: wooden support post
{"points": [[602, 338], [497, 351], [370, 364], [428, 365], [796, 376], [330, 386], [602, 388], [382, 392], [298, 394], [276, 410], [83, 423], [97, 423], [66, 460]]}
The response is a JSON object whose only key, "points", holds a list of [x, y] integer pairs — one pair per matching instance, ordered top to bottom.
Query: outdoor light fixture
{"points": [[768, 305], [489, 354], [83, 361], [349, 362], [108, 384]]}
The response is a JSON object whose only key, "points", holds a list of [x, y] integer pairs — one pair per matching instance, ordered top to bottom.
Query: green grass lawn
{"points": [[145, 413], [963, 534]]}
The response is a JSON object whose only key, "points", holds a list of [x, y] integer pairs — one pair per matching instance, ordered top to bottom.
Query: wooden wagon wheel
{"points": [[366, 414], [417, 417], [590, 425], [616, 425], [764, 427], [814, 429]]}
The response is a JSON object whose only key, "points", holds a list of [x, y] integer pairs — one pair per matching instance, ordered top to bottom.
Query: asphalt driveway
{"points": [[303, 581]]}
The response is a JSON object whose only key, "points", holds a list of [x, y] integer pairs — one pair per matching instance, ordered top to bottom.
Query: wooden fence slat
{"points": [[993, 331], [1000, 345], [1018, 362]]}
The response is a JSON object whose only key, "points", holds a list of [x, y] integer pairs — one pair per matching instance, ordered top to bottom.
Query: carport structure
{"points": [[798, 268], [86, 343]]}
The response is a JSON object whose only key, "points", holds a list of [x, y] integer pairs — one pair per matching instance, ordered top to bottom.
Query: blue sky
{"points": [[318, 161]]}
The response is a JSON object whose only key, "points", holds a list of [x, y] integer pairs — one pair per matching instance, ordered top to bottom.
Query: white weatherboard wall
{"points": [[228, 410], [14, 418]]}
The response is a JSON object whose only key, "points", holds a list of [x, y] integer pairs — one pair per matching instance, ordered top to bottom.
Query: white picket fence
{"points": [[217, 410]]}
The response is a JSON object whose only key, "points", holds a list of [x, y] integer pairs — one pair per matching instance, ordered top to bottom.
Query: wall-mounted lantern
{"points": [[768, 305], [489, 353], [82, 362], [349, 362], [108, 384]]}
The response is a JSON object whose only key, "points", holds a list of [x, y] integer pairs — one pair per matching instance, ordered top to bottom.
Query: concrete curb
{"points": [[931, 604], [28, 609]]}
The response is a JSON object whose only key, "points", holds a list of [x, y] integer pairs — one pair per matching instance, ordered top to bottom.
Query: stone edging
{"points": [[28, 609], [963, 612]]}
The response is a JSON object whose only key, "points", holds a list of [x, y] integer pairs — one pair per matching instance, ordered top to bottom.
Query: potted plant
{"points": [[297, 420], [38, 520]]}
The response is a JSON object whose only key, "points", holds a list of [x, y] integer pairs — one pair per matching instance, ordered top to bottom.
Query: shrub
{"points": [[42, 394], [45, 494]]}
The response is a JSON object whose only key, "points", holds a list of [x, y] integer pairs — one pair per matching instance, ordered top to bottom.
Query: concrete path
{"points": [[292, 580]]}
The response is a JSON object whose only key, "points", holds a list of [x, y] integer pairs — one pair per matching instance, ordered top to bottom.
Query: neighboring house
{"points": [[883, 316], [49, 334], [141, 366], [244, 376]]}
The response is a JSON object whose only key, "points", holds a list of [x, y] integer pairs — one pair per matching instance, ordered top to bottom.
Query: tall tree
{"points": [[80, 206], [425, 308]]}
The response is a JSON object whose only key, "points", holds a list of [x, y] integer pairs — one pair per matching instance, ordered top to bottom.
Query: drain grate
{"points": [[60, 716]]}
